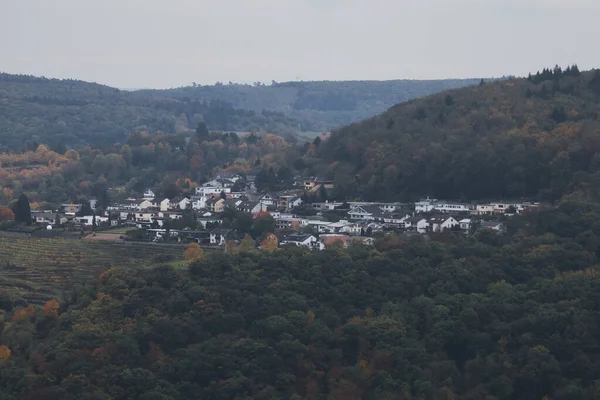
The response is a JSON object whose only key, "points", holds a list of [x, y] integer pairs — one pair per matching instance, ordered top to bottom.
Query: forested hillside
{"points": [[327, 104], [74, 113], [535, 138], [491, 316]]}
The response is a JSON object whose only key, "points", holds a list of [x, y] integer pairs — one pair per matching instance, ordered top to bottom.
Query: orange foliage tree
{"points": [[6, 214], [193, 252], [51, 308], [23, 313], [4, 353]]}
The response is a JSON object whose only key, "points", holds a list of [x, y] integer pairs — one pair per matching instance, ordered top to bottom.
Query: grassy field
{"points": [[37, 269]]}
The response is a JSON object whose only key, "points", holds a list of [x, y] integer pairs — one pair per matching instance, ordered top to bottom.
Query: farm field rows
{"points": [[37, 269]]}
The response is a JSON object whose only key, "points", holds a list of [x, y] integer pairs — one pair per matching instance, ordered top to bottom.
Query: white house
{"points": [[211, 190], [149, 194], [269, 199], [199, 202], [146, 203], [184, 204], [165, 205], [424, 205], [327, 206], [447, 207], [484, 209], [370, 213], [46, 218], [88, 220], [417, 224], [440, 224], [466, 224], [219, 236], [299, 240]]}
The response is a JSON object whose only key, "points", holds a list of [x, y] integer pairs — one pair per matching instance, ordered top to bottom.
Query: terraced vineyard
{"points": [[37, 269]]}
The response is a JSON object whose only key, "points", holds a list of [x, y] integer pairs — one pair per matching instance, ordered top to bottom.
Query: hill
{"points": [[327, 104], [75, 113], [533, 138], [492, 316]]}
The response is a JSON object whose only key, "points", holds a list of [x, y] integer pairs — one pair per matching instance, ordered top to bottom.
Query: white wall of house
{"points": [[165, 205]]}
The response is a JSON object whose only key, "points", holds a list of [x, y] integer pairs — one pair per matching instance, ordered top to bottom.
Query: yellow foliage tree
{"points": [[270, 243], [247, 244], [193, 252], [51, 308], [4, 353]]}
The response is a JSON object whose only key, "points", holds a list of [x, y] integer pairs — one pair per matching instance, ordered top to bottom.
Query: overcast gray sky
{"points": [[160, 43]]}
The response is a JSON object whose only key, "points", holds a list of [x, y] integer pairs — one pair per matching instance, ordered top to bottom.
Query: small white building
{"points": [[211, 190], [149, 194], [184, 203], [165, 205], [417, 224], [441, 224], [466, 224], [219, 236], [300, 240]]}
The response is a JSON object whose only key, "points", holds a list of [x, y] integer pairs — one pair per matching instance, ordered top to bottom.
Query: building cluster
{"points": [[313, 225]]}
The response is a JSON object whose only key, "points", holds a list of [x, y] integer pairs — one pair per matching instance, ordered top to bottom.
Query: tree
{"points": [[202, 133], [168, 188], [223, 195], [86, 209], [23, 210], [6, 214], [263, 224], [270, 243], [247, 244], [193, 252], [51, 308], [4, 353]]}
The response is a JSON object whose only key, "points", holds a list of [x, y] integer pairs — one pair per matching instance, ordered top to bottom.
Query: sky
{"points": [[162, 44]]}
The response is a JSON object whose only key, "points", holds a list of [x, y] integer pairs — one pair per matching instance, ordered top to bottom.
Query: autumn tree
{"points": [[23, 210], [6, 214], [270, 243], [247, 244], [193, 252], [51, 308], [4, 353]]}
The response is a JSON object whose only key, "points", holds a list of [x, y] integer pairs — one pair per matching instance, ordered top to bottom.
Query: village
{"points": [[293, 217]]}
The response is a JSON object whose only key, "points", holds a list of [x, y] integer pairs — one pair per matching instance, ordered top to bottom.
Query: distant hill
{"points": [[328, 104], [76, 113], [536, 138]]}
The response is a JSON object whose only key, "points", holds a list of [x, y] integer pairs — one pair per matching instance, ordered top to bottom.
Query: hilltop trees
{"points": [[531, 139], [23, 210]]}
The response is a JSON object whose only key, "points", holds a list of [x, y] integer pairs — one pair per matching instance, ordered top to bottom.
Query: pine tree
{"points": [[23, 210]]}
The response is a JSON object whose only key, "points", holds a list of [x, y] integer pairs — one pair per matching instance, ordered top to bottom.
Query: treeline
{"points": [[326, 104], [75, 113], [518, 138], [500, 317]]}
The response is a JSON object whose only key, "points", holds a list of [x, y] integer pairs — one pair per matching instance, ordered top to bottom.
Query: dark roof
{"points": [[414, 219], [221, 231], [296, 238]]}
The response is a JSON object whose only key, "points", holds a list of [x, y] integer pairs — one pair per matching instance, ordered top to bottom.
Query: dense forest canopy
{"points": [[328, 104], [74, 113], [535, 138], [493, 316]]}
